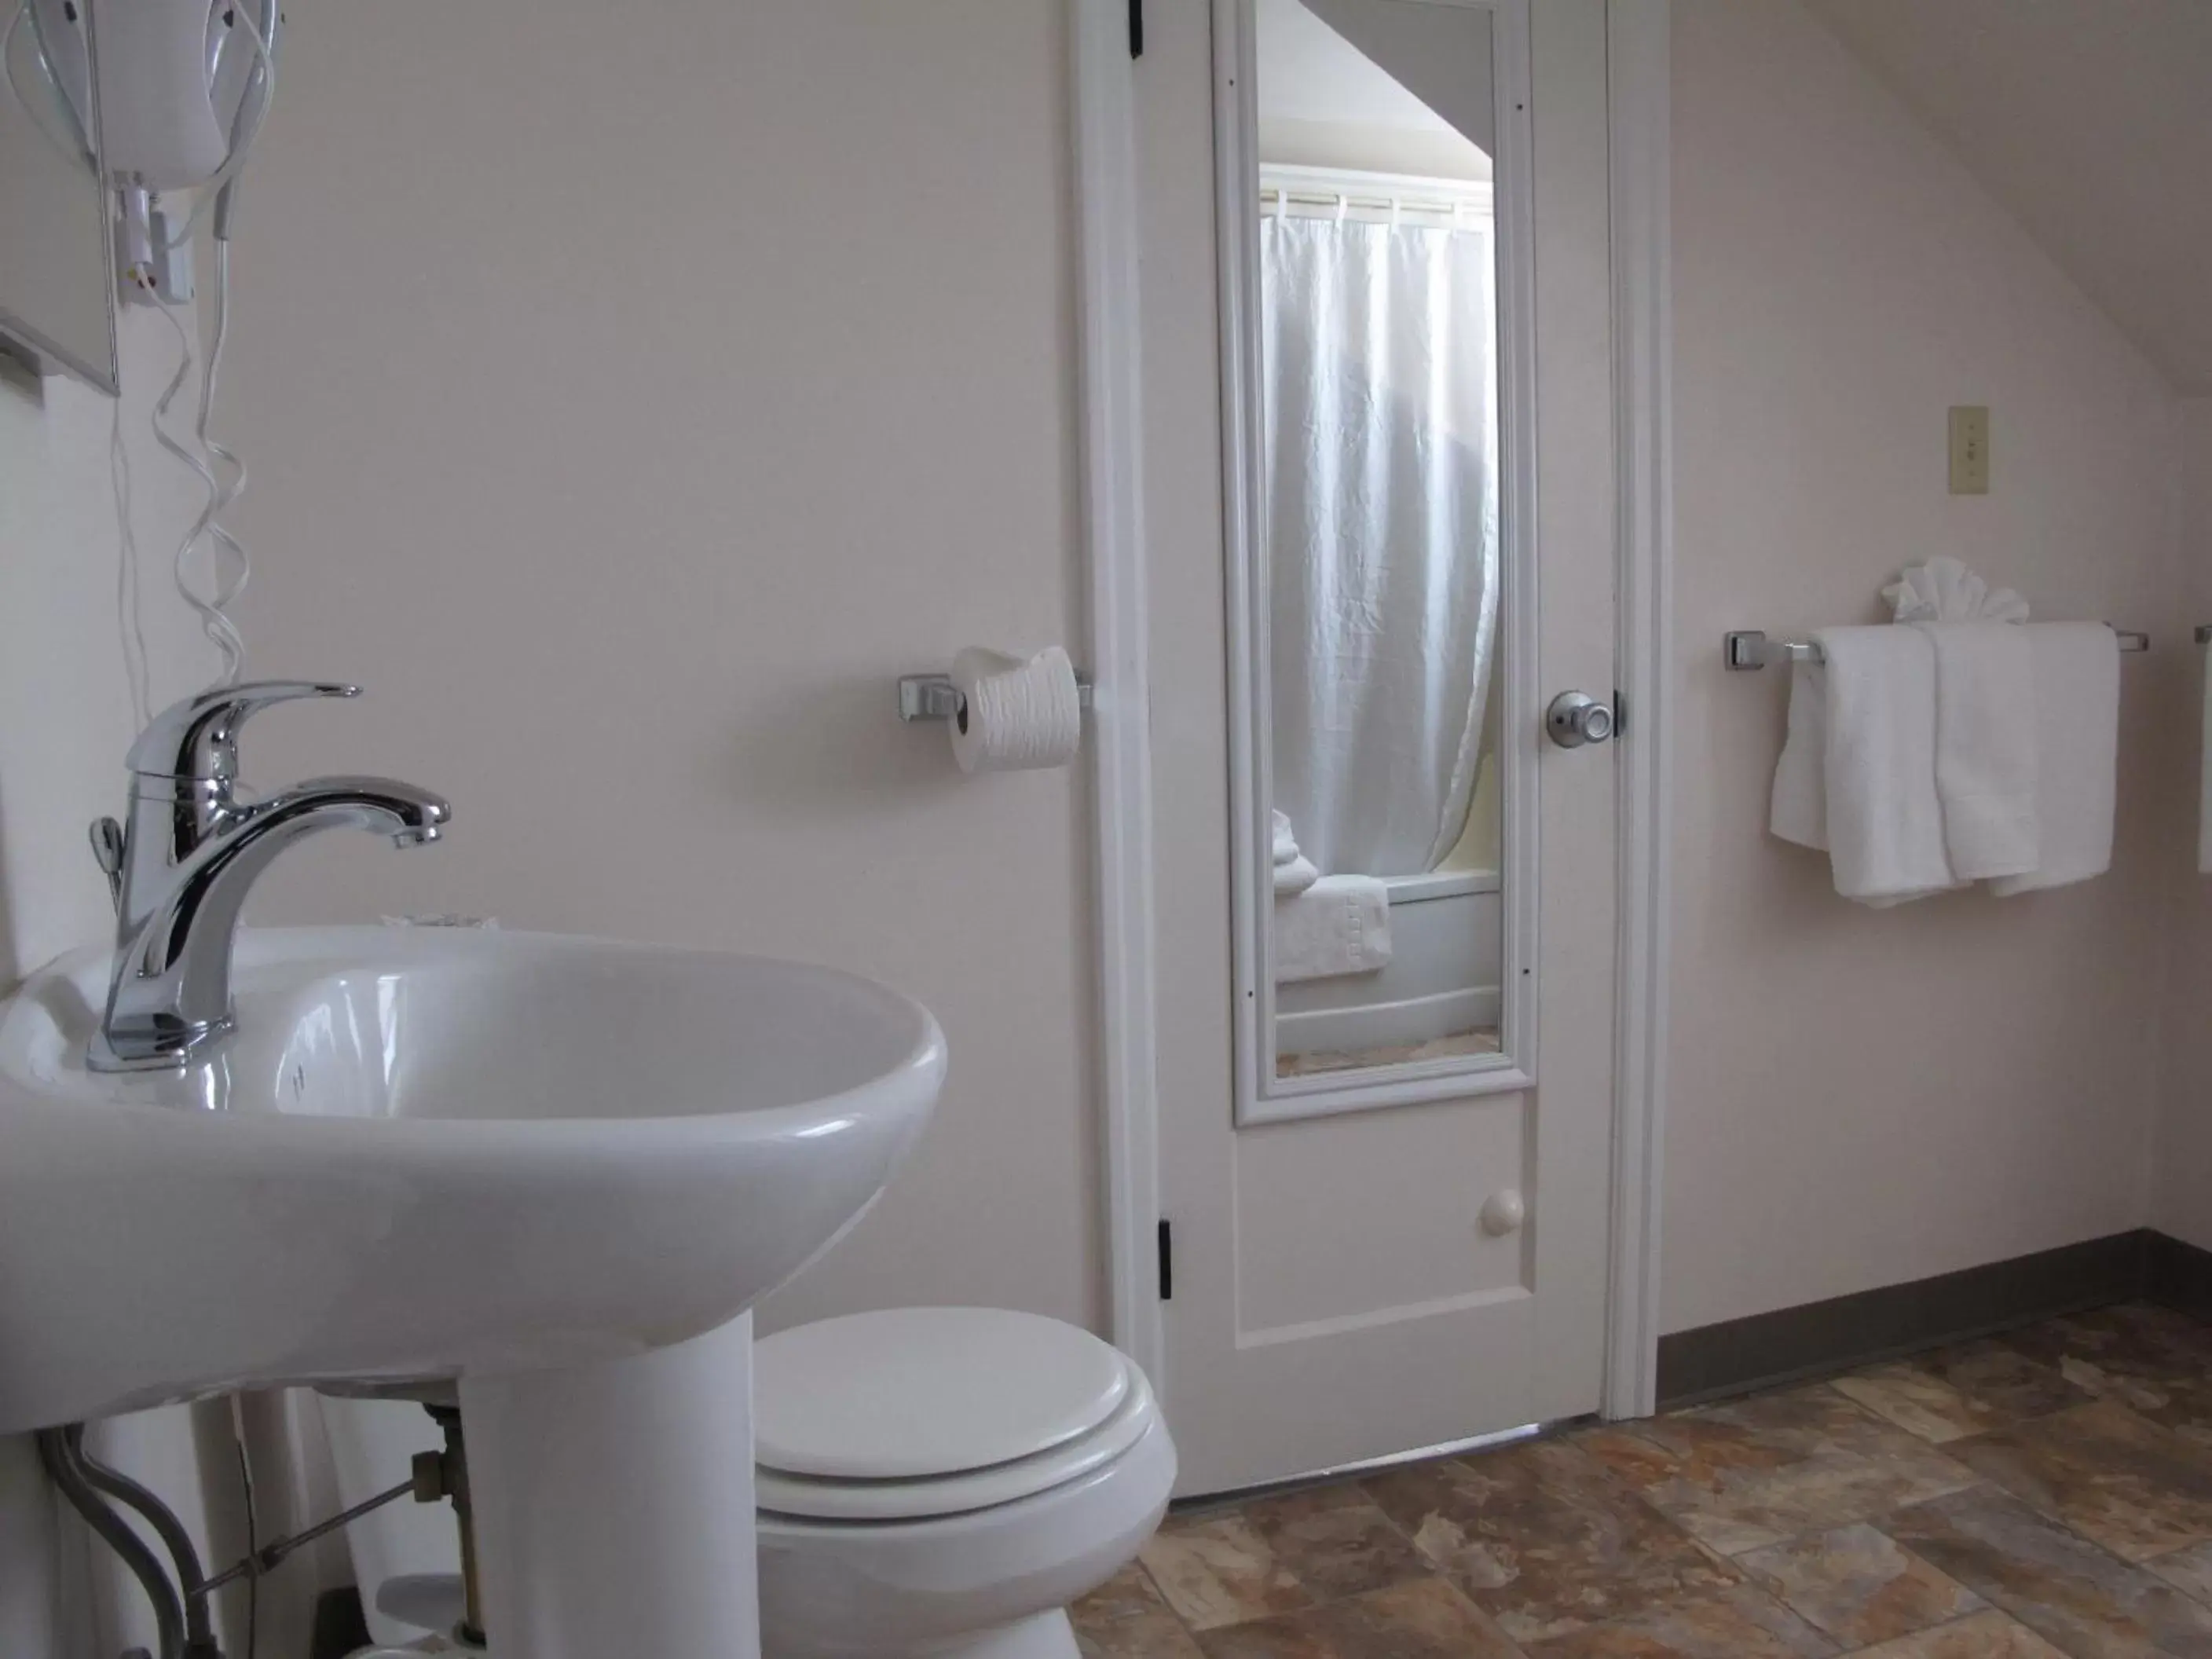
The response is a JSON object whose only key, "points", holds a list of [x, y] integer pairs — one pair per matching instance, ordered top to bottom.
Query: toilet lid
{"points": [[912, 1394], [812, 1498]]}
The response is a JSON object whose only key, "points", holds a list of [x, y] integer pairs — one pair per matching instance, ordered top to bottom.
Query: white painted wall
{"points": [[2087, 119], [626, 409], [1861, 1098], [2183, 1201]]}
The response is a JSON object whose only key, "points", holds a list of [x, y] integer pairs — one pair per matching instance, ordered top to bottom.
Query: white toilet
{"points": [[931, 1481], [944, 1481]]}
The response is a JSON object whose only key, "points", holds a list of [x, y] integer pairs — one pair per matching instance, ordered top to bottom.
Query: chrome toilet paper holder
{"points": [[934, 697]]}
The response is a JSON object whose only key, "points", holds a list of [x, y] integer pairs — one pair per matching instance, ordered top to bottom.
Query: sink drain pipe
{"points": [[88, 1486], [183, 1624]]}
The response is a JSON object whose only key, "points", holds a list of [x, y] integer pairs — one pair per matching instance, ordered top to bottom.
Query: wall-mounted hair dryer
{"points": [[183, 85], [157, 98]]}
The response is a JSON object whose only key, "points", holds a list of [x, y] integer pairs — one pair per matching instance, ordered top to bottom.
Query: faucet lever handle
{"points": [[197, 739], [108, 851]]}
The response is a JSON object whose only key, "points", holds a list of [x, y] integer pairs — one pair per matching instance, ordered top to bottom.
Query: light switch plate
{"points": [[1970, 449]]}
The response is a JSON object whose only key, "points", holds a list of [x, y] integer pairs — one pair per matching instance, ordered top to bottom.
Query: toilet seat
{"points": [[915, 1413]]}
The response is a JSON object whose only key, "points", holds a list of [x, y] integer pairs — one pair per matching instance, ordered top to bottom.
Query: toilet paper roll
{"points": [[1015, 716]]}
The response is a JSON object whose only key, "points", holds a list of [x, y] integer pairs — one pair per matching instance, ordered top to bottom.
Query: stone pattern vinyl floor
{"points": [[2043, 1493]]}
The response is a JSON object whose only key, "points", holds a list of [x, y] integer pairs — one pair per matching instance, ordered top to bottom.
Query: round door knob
{"points": [[1576, 718], [1502, 1212]]}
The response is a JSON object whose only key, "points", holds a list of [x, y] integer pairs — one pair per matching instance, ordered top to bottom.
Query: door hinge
{"points": [[1136, 28], [1167, 1262]]}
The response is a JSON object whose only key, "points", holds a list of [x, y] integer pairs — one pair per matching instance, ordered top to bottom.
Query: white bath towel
{"points": [[2076, 673], [1985, 746], [1857, 776], [1294, 871], [1340, 925]]}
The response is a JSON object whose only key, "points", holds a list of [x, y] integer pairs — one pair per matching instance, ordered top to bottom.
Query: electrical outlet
{"points": [[1970, 449]]}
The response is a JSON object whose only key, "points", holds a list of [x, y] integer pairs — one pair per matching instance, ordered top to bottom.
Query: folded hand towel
{"points": [[2076, 671], [1872, 743], [1985, 744], [1798, 811], [1294, 871], [1340, 925]]}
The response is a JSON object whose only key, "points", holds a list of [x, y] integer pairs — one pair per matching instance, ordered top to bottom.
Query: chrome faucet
{"points": [[192, 850]]}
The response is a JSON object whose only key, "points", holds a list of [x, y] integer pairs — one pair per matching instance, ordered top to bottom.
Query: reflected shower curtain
{"points": [[1381, 450]]}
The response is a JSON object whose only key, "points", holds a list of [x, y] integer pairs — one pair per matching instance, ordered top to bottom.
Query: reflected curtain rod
{"points": [[1366, 204]]}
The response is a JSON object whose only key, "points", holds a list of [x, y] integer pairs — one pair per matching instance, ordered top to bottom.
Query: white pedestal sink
{"points": [[556, 1170]]}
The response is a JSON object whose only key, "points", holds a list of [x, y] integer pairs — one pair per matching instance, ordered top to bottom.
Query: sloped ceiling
{"points": [[2092, 121]]}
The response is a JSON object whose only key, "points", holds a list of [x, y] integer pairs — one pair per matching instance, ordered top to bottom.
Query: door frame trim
{"points": [[1103, 93], [1637, 99], [1105, 113]]}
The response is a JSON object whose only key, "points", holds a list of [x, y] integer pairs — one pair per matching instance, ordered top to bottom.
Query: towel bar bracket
{"points": [[1746, 649]]}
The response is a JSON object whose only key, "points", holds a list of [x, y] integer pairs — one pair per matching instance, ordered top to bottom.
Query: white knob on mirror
{"points": [[1503, 1212]]}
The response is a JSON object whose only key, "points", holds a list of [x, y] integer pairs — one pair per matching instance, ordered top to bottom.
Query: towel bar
{"points": [[1745, 648]]}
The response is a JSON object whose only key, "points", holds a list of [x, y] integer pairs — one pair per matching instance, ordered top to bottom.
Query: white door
{"points": [[1378, 380]]}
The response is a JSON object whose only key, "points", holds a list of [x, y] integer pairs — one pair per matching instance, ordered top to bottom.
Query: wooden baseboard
{"points": [[2179, 1275], [1821, 1338]]}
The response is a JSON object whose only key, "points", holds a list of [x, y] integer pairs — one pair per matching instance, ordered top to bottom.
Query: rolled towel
{"points": [[1942, 589], [1294, 871]]}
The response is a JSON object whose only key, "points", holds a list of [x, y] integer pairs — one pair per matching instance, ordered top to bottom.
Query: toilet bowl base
{"points": [[1041, 1636], [1047, 1636]]}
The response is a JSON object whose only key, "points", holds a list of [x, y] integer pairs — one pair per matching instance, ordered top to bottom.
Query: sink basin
{"points": [[433, 1153]]}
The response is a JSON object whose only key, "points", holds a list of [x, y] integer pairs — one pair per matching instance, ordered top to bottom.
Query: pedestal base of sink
{"points": [[614, 1504]]}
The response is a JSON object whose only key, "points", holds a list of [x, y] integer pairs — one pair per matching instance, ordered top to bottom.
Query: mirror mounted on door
{"points": [[1377, 341]]}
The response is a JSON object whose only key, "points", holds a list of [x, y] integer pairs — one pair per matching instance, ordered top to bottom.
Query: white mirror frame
{"points": [[1261, 1096]]}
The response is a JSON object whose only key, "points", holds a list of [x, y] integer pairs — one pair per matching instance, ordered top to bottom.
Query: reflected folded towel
{"points": [[2076, 671], [1985, 746], [1857, 775], [1294, 871], [1340, 925]]}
